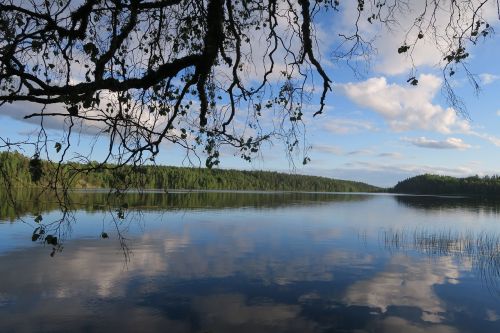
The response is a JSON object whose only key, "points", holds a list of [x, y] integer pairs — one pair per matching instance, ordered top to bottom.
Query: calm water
{"points": [[249, 262]]}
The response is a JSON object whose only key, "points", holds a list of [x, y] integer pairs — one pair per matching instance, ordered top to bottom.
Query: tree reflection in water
{"points": [[31, 205], [226, 262]]}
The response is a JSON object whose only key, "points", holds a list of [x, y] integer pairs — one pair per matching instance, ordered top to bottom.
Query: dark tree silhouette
{"points": [[199, 73]]}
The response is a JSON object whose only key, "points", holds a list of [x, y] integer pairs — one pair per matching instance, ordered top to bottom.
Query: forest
{"points": [[17, 170], [435, 184]]}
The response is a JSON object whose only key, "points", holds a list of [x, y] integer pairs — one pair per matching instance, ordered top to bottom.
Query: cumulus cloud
{"points": [[386, 41], [406, 107], [19, 110], [449, 143]]}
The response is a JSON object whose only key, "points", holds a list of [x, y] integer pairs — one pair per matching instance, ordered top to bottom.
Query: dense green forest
{"points": [[20, 171], [434, 184]]}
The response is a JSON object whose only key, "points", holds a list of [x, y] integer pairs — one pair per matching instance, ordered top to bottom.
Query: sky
{"points": [[377, 128]]}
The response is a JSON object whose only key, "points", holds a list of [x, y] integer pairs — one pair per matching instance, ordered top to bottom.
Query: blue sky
{"points": [[377, 127]]}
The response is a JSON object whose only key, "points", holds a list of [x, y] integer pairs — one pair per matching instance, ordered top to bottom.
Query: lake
{"points": [[250, 262]]}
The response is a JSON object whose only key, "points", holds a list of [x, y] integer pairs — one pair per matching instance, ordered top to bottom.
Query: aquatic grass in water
{"points": [[482, 249]]}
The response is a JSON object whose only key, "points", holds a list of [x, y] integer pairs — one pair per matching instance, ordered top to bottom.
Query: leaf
{"points": [[36, 45], [90, 49], [403, 49], [412, 80], [73, 110], [58, 147], [35, 168], [120, 214], [38, 218], [37, 233], [104, 235], [50, 239]]}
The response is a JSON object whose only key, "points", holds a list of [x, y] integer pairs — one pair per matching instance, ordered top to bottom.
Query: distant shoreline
{"points": [[22, 171], [475, 186]]}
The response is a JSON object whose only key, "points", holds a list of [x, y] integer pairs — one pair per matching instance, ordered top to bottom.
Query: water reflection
{"points": [[33, 202], [471, 204], [479, 252], [258, 263], [406, 282]]}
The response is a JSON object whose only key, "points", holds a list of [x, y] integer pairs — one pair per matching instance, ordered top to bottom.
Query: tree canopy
{"points": [[199, 73], [19, 170], [487, 186]]}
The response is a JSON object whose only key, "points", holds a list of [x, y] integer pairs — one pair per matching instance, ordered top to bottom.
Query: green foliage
{"points": [[18, 169], [35, 169], [434, 184]]}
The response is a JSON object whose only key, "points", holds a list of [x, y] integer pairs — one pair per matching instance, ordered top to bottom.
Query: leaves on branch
{"points": [[403, 48], [145, 72], [413, 81], [35, 167], [38, 218], [37, 233], [51, 239]]}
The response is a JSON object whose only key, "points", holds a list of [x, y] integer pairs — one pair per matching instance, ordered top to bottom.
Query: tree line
{"points": [[18, 170], [435, 184]]}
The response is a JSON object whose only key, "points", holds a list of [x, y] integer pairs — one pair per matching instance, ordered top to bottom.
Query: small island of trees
{"points": [[435, 184]]}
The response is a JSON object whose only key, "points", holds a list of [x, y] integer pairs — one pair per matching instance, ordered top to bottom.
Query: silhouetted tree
{"points": [[198, 73]]}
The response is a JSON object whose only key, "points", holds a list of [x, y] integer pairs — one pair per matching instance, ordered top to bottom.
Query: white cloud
{"points": [[387, 38], [385, 42], [487, 78], [406, 107], [19, 110], [498, 113], [347, 126], [488, 137], [449, 143], [406, 283], [492, 315], [393, 324]]}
